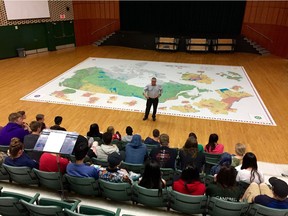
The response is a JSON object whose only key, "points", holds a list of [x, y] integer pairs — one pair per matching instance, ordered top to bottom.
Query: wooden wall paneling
{"points": [[97, 9], [112, 9], [102, 10], [107, 10], [117, 10], [258, 14], [247, 15], [253, 15], [264, 15], [275, 15], [270, 16], [280, 16], [285, 17], [286, 24]]}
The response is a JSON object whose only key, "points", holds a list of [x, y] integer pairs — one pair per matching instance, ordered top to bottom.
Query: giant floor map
{"points": [[190, 90]]}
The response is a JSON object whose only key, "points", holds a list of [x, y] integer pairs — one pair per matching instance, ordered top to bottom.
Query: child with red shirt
{"points": [[189, 182]]}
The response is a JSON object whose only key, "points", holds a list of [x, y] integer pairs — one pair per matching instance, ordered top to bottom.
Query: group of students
{"points": [[189, 159]]}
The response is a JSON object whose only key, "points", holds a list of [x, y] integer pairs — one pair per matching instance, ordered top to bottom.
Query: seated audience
{"points": [[40, 118], [58, 120], [14, 128], [94, 131], [115, 136], [128, 137], [31, 139], [154, 140], [200, 147], [213, 147], [106, 148], [240, 150], [136, 151], [189, 154], [164, 155], [17, 156], [225, 160], [50, 163], [79, 169], [249, 170], [113, 173], [152, 177], [189, 182], [225, 186]]}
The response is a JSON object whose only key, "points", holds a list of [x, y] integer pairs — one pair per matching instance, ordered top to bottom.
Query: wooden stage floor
{"points": [[269, 74]]}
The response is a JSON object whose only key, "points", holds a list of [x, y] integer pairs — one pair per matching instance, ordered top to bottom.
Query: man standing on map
{"points": [[152, 92]]}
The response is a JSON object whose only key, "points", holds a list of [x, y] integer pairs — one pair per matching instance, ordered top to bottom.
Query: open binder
{"points": [[55, 141]]}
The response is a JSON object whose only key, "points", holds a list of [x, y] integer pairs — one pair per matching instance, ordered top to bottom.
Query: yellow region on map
{"points": [[200, 78], [94, 88], [222, 106], [185, 109]]}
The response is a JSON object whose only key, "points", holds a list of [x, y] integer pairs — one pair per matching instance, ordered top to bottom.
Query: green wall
{"points": [[35, 36]]}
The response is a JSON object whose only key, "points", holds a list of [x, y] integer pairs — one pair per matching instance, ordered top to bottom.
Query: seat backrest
{"points": [[150, 147], [212, 158], [99, 162], [136, 168], [3, 173], [21, 175], [168, 175], [50, 180], [83, 186], [115, 191], [149, 197], [52, 202], [188, 204], [10, 205], [225, 208], [39, 210], [91, 210], [259, 210]]}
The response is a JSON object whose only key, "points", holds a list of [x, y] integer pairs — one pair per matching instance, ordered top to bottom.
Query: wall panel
{"points": [[94, 20], [266, 23]]}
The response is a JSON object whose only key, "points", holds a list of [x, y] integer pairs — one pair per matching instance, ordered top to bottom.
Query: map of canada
{"points": [[189, 90]]}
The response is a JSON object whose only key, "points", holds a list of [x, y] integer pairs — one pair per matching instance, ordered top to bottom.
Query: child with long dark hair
{"points": [[213, 146], [249, 170], [152, 177], [189, 182]]}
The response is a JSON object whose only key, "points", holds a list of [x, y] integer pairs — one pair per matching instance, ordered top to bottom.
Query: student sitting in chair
{"points": [[17, 156], [79, 169], [113, 173], [263, 195]]}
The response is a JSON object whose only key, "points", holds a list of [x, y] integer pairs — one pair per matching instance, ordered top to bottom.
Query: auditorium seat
{"points": [[21, 175], [149, 197], [187, 204], [221, 207], [91, 210]]}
